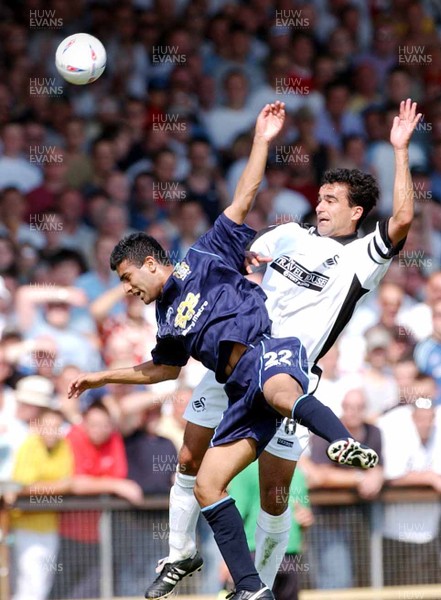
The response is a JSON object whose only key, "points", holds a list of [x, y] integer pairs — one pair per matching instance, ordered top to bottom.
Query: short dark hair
{"points": [[362, 188], [135, 248], [96, 405]]}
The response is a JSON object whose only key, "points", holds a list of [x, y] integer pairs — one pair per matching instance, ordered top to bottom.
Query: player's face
{"points": [[334, 215], [145, 282]]}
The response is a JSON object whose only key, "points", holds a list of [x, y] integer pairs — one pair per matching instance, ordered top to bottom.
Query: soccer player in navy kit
{"points": [[200, 312]]}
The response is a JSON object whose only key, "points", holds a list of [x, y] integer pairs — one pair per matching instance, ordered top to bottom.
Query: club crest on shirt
{"points": [[331, 262], [182, 270], [199, 404]]}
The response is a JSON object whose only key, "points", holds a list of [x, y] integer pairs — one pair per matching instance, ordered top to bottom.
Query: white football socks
{"points": [[183, 517], [272, 535]]}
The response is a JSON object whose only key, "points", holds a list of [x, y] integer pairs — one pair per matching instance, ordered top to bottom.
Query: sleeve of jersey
{"points": [[227, 240], [267, 240], [380, 247], [170, 351]]}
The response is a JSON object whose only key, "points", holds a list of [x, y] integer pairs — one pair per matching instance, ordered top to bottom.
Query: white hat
{"points": [[35, 390]]}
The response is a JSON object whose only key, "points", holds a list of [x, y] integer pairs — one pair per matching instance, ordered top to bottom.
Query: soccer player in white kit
{"points": [[314, 281]]}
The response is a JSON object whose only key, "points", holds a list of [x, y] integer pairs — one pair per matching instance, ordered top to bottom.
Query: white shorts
{"points": [[208, 403]]}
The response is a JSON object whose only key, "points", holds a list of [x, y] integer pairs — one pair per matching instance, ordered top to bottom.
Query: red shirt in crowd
{"points": [[107, 460]]}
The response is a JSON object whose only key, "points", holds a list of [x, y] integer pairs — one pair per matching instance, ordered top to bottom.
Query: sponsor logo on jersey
{"points": [[331, 262], [182, 270], [299, 274], [186, 309], [187, 312], [199, 404], [287, 443]]}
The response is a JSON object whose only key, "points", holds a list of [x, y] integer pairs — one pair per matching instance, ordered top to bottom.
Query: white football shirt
{"points": [[314, 283]]}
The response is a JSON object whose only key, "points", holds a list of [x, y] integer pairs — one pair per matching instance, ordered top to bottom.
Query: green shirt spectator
{"points": [[245, 490]]}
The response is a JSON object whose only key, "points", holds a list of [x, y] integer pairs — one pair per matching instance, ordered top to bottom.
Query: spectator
{"points": [[383, 55], [365, 82], [280, 85], [336, 120], [225, 123], [320, 155], [78, 162], [103, 163], [15, 169], [203, 181], [44, 197], [286, 204], [144, 210], [12, 220], [114, 223], [190, 223], [76, 235], [101, 278], [418, 318], [126, 336], [71, 345], [428, 351], [377, 380], [334, 383], [32, 395], [8, 424], [412, 451], [152, 461], [43, 466], [100, 466], [245, 490], [335, 540]]}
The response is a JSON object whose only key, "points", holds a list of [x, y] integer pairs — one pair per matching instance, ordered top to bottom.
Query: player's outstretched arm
{"points": [[269, 123], [403, 204], [146, 373]]}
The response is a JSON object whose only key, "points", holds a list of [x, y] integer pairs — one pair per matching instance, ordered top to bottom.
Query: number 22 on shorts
{"points": [[275, 359]]}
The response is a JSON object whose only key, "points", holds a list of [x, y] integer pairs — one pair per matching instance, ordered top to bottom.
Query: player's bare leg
{"points": [[285, 395], [220, 465], [183, 558]]}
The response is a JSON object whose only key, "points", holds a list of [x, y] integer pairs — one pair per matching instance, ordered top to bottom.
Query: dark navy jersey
{"points": [[207, 305]]}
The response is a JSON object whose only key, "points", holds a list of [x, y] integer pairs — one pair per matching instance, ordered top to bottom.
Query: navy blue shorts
{"points": [[248, 414]]}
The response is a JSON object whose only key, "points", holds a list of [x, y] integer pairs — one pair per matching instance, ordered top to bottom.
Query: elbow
{"points": [[175, 373]]}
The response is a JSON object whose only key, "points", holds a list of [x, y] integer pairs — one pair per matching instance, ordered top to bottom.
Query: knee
{"points": [[281, 402], [188, 462], [203, 492], [274, 498]]}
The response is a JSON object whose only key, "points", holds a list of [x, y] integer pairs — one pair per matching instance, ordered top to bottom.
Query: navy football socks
{"points": [[319, 419], [227, 525]]}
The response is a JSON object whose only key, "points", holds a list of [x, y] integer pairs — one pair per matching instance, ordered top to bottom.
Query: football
{"points": [[80, 58]]}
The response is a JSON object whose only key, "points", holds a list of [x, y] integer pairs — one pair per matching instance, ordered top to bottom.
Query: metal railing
{"points": [[344, 549]]}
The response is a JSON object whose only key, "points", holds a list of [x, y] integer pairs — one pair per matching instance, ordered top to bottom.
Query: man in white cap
{"points": [[32, 395]]}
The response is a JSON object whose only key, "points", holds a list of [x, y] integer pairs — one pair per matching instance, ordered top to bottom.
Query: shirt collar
{"points": [[342, 239], [345, 239], [168, 290]]}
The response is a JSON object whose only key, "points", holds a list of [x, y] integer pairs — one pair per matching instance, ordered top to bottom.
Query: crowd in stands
{"points": [[158, 144]]}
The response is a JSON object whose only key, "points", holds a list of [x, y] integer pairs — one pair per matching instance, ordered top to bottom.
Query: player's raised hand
{"points": [[270, 120], [404, 124], [252, 259], [85, 381]]}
